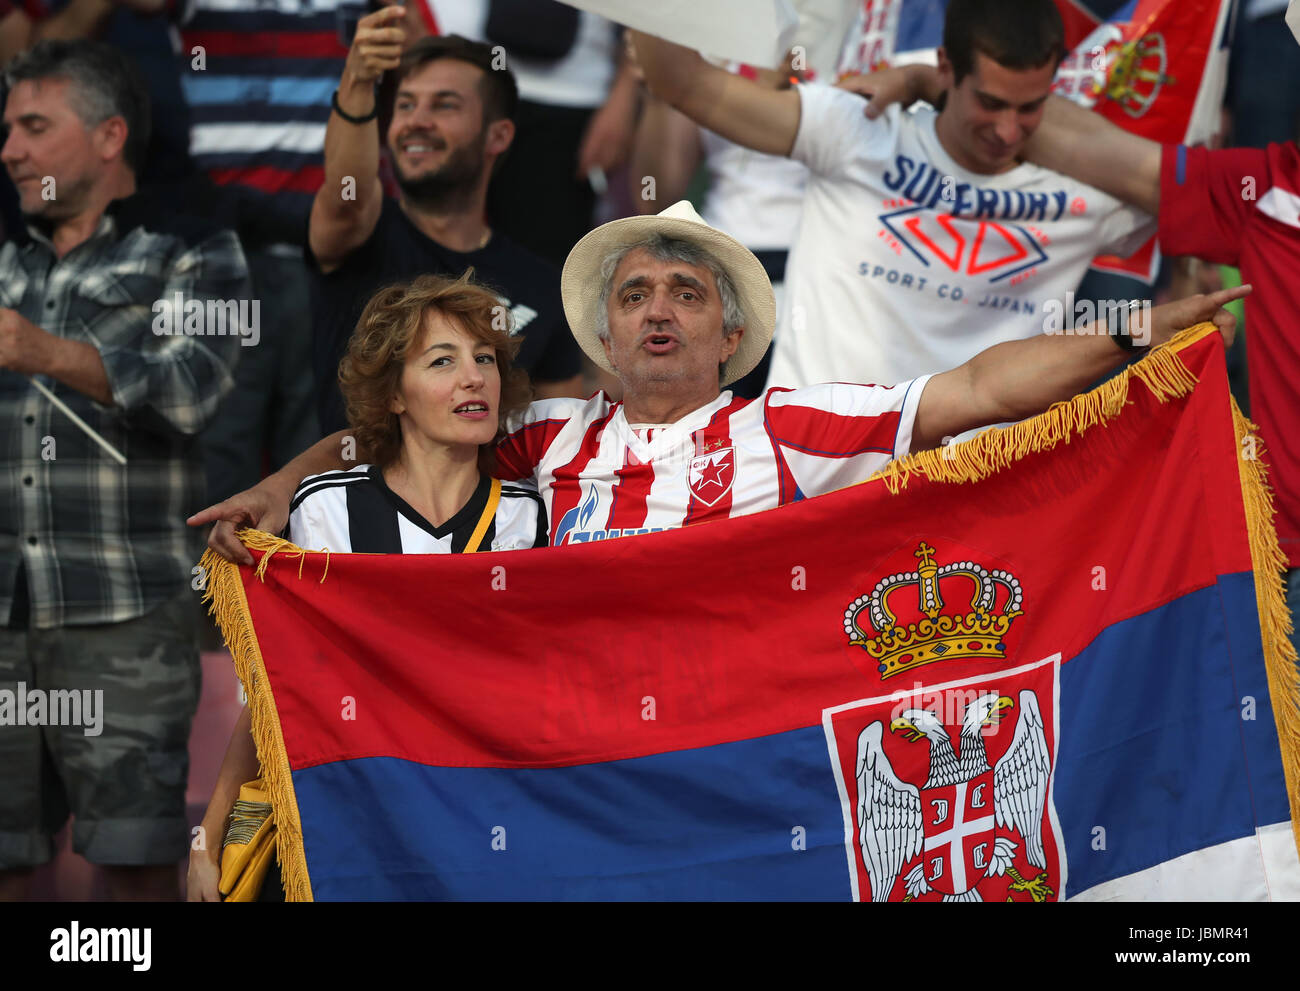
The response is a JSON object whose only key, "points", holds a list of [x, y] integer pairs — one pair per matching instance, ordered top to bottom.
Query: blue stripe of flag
{"points": [[1153, 739]]}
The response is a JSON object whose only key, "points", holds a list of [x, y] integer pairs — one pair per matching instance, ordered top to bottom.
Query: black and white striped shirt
{"points": [[354, 511]]}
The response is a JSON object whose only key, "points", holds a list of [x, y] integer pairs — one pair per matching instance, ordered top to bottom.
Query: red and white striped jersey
{"points": [[603, 477]]}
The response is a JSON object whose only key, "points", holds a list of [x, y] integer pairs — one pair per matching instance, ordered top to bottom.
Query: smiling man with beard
{"points": [[451, 123]]}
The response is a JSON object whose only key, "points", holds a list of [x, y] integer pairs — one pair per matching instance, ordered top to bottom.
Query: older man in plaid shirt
{"points": [[109, 301]]}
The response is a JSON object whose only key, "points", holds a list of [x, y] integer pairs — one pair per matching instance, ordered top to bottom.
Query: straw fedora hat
{"points": [[580, 283]]}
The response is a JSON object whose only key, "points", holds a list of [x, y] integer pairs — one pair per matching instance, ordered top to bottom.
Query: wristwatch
{"points": [[1121, 319]]}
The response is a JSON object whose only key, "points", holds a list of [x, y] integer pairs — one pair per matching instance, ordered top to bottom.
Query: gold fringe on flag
{"points": [[1164, 373], [225, 594], [1274, 616]]}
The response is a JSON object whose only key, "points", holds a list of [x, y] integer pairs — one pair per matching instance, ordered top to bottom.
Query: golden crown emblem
{"points": [[1138, 72], [939, 635]]}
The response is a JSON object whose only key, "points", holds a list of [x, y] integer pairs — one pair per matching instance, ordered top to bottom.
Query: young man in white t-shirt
{"points": [[924, 239]]}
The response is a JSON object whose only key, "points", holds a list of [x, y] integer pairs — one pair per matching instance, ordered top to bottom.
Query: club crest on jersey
{"points": [[710, 475], [946, 790]]}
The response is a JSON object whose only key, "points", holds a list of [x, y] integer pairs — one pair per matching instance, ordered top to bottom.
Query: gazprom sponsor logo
{"points": [[579, 516], [573, 524], [587, 536]]}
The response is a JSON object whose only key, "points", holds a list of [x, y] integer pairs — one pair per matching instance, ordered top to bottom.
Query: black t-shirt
{"points": [[398, 250]]}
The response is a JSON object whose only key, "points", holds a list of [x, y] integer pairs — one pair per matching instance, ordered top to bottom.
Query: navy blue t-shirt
{"points": [[397, 250]]}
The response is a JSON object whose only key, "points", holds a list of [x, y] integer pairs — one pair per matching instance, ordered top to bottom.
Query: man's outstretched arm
{"points": [[741, 110], [1086, 146], [1018, 379]]}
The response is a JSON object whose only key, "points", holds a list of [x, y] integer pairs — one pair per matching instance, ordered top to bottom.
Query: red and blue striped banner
{"points": [[1048, 663]]}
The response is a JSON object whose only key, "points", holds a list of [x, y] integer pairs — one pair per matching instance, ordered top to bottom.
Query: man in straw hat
{"points": [[677, 310]]}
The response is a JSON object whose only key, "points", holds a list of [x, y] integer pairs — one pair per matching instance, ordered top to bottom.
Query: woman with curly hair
{"points": [[428, 384]]}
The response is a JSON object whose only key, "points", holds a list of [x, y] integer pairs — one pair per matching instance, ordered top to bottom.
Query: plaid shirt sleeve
{"points": [[161, 369]]}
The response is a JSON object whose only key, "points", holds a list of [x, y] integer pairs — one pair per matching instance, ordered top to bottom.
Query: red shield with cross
{"points": [[710, 475], [946, 789], [959, 829]]}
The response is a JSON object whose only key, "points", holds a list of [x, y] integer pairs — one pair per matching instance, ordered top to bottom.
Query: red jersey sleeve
{"points": [[1206, 198], [528, 436]]}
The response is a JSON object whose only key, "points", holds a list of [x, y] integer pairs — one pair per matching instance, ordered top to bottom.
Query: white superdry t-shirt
{"points": [[905, 263], [602, 477]]}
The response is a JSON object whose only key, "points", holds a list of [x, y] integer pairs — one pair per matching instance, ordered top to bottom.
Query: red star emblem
{"points": [[711, 474]]}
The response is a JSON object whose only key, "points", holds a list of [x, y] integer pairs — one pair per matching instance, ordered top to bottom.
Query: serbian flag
{"points": [[1048, 663]]}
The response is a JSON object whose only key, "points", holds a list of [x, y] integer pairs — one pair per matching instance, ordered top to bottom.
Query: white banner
{"points": [[757, 32]]}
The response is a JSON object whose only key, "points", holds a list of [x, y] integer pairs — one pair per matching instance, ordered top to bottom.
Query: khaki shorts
{"points": [[113, 705]]}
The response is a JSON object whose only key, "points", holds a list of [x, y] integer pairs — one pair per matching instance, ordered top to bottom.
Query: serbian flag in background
{"points": [[1157, 68], [1048, 663]]}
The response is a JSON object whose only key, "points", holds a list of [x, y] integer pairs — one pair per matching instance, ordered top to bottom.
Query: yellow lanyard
{"points": [[489, 510]]}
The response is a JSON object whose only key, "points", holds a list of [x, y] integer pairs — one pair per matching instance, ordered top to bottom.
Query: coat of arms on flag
{"points": [[945, 788], [946, 793]]}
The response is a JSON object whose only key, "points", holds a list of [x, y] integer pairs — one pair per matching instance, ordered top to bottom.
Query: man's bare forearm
{"points": [[79, 19], [742, 111], [1086, 146], [667, 149], [352, 150], [1016, 379], [1012, 381]]}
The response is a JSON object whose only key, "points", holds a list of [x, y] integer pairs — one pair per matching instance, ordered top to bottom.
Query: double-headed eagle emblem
{"points": [[953, 835]]}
